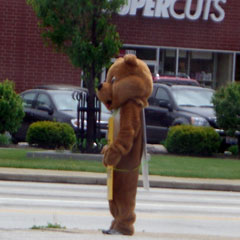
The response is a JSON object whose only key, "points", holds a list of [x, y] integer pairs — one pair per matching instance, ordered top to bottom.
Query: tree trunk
{"points": [[91, 112], [91, 128], [238, 138]]}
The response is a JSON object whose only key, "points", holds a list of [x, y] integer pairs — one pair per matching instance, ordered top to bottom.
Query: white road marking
{"points": [[104, 204]]}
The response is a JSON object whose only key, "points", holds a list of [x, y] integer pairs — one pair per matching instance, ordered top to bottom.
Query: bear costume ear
{"points": [[130, 59]]}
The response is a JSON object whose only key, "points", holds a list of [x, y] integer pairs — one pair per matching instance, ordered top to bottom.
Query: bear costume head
{"points": [[129, 78]]}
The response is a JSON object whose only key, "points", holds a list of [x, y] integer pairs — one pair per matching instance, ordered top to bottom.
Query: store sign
{"points": [[166, 9]]}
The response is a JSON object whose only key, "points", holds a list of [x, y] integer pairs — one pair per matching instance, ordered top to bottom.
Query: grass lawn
{"points": [[16, 158], [164, 165], [198, 167]]}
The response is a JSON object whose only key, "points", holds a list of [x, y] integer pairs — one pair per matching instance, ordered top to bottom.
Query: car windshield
{"points": [[193, 97], [64, 101], [104, 109]]}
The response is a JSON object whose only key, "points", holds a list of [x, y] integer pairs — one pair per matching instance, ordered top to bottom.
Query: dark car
{"points": [[175, 80], [53, 103], [175, 105]]}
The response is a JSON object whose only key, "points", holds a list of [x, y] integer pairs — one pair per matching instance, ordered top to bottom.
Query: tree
{"points": [[82, 30], [226, 103], [11, 109]]}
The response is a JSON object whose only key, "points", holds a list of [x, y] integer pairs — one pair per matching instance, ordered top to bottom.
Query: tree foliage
{"points": [[82, 30], [226, 103], [11, 109]]}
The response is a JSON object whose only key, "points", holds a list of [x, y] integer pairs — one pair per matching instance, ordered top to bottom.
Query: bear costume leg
{"points": [[123, 205]]}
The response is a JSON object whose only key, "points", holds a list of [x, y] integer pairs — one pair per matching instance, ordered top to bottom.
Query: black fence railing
{"points": [[82, 112]]}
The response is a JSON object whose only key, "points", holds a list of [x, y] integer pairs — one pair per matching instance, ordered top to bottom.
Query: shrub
{"points": [[226, 102], [11, 109], [48, 134], [4, 139], [185, 139], [234, 149]]}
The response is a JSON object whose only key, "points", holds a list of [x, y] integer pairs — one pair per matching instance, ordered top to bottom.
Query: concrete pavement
{"points": [[75, 234]]}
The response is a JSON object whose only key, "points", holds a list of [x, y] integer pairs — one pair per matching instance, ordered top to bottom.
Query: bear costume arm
{"points": [[130, 125]]}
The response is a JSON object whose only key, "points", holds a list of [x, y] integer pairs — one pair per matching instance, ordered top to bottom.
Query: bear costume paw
{"points": [[111, 156], [111, 232]]}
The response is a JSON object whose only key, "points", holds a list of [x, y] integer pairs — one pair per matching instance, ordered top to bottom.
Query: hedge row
{"points": [[182, 139]]}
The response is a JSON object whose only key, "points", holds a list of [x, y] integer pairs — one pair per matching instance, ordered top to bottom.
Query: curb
{"points": [[52, 154], [68, 177], [52, 179], [196, 185]]}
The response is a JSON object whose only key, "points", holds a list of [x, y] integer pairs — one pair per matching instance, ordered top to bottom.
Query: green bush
{"points": [[226, 102], [11, 109], [48, 134], [4, 139], [185, 139], [234, 149]]}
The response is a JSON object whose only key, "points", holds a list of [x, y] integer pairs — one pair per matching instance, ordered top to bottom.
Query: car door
{"points": [[44, 108], [158, 115]]}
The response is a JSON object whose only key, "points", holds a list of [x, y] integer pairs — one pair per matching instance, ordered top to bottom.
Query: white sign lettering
{"points": [[166, 9]]}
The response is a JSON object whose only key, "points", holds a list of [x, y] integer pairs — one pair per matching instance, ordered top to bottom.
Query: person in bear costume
{"points": [[125, 92]]}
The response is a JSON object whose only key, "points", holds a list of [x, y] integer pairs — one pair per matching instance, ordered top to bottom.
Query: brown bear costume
{"points": [[127, 88]]}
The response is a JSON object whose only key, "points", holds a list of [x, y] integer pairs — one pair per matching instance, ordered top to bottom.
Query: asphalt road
{"points": [[83, 210]]}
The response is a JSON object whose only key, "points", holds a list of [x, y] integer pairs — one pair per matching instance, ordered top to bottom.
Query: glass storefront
{"points": [[167, 63], [201, 67], [211, 68], [224, 69], [237, 69]]}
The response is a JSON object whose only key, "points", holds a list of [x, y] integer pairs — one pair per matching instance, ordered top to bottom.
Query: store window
{"points": [[141, 53], [148, 55], [183, 63], [167, 65], [201, 67], [210, 69], [224, 69], [237, 69]]}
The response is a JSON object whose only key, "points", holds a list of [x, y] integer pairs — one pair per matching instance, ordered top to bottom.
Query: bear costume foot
{"points": [[111, 232]]}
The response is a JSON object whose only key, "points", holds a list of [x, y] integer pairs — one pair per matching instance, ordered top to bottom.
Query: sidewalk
{"points": [[55, 176]]}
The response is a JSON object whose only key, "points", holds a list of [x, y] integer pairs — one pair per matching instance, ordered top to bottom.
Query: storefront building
{"points": [[195, 38]]}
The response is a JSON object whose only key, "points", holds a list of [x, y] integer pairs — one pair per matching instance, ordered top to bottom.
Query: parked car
{"points": [[175, 80], [53, 103], [176, 105]]}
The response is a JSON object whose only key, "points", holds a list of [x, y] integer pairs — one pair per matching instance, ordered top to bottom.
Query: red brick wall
{"points": [[201, 34], [23, 56], [25, 60]]}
